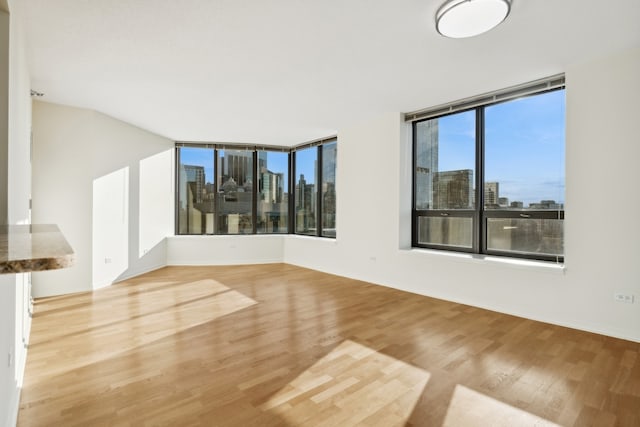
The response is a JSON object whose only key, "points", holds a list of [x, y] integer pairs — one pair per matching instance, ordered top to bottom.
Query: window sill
{"points": [[222, 236], [260, 236], [520, 263]]}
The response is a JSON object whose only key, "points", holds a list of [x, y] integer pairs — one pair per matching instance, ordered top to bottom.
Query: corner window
{"points": [[490, 179], [235, 189]]}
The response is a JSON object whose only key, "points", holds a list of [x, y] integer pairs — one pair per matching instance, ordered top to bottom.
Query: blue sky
{"points": [[524, 146], [196, 156], [305, 164]]}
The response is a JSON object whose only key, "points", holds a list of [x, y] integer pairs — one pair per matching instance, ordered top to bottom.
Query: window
{"points": [[445, 167], [490, 179], [195, 190], [247, 190], [273, 192], [235, 194], [306, 196], [328, 196], [315, 206]]}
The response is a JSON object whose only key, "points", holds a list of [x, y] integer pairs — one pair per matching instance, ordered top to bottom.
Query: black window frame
{"points": [[218, 178], [318, 178], [177, 187], [256, 190], [254, 210], [479, 214]]}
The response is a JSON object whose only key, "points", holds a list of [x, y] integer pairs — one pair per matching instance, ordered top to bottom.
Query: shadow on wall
{"points": [[132, 215]]}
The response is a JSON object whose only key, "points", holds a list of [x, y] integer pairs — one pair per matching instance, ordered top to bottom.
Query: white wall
{"points": [[4, 111], [80, 161], [19, 182], [61, 189], [110, 227], [602, 241], [225, 250], [7, 283], [14, 294]]}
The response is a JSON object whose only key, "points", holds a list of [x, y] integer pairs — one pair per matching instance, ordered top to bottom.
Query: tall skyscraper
{"points": [[329, 153], [426, 162], [238, 165], [196, 176], [272, 186], [453, 189], [491, 194], [304, 195], [305, 204]]}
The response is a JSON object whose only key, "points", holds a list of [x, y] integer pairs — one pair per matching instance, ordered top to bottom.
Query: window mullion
{"points": [[414, 165], [215, 191], [177, 192], [292, 192], [319, 193], [254, 208], [479, 236]]}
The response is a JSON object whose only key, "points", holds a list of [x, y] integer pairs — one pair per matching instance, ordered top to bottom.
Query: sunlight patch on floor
{"points": [[130, 321], [352, 384], [469, 408]]}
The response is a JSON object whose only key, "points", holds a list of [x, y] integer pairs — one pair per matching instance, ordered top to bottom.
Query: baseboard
{"points": [[228, 262], [14, 404], [12, 417]]}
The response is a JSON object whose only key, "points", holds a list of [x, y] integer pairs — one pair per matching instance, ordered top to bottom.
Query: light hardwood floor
{"points": [[271, 345]]}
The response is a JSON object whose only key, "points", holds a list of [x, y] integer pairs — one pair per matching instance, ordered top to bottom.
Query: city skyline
{"points": [[524, 146], [524, 149], [196, 156], [225, 206]]}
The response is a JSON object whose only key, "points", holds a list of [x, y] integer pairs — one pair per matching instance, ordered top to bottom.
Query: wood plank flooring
{"points": [[279, 345]]}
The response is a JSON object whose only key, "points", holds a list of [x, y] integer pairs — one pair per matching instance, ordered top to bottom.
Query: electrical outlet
{"points": [[107, 260], [626, 298]]}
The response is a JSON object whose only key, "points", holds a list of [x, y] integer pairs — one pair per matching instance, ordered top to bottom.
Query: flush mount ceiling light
{"points": [[467, 18]]}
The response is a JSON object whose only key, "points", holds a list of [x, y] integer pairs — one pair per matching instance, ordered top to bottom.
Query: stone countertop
{"points": [[37, 247]]}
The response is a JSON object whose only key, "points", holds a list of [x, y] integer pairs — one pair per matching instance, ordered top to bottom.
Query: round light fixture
{"points": [[467, 18]]}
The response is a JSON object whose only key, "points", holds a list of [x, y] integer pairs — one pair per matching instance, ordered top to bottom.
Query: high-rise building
{"points": [[329, 153], [426, 162], [238, 165], [195, 174], [272, 186], [453, 189], [491, 194], [304, 195], [305, 204], [328, 206]]}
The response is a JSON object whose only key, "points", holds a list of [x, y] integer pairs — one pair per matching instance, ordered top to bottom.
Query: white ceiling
{"points": [[288, 71]]}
